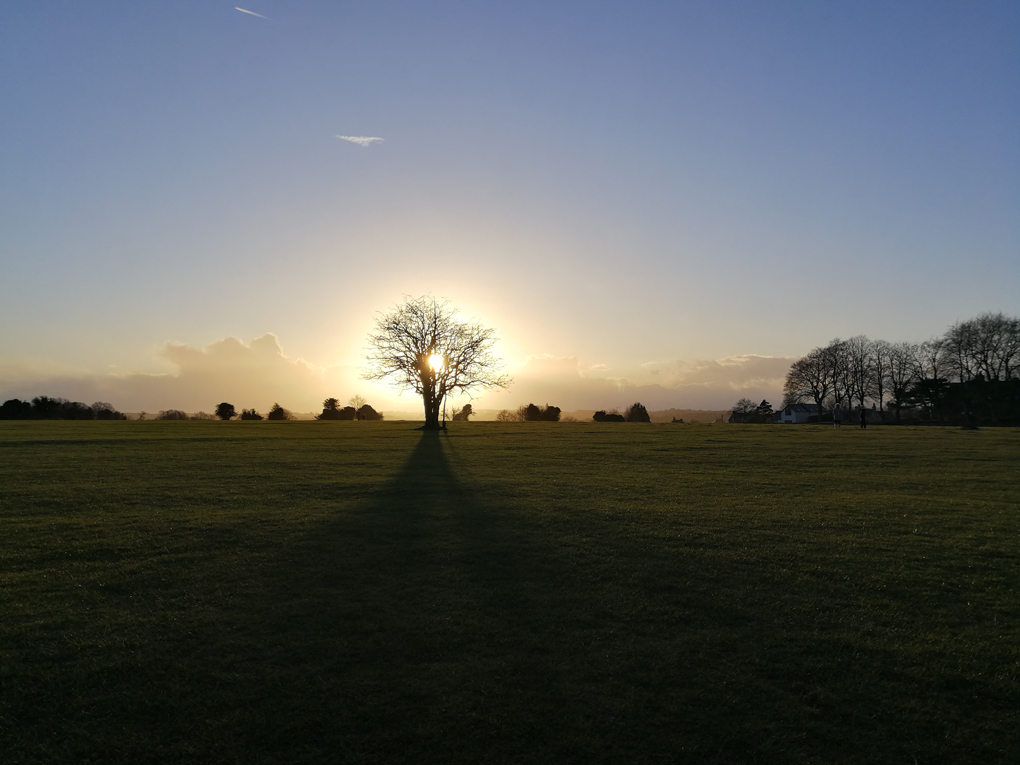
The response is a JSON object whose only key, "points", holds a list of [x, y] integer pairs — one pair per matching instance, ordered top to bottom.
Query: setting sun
{"points": [[437, 362]]}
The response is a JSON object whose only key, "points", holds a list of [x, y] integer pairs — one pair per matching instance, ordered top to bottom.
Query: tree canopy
{"points": [[225, 411]]}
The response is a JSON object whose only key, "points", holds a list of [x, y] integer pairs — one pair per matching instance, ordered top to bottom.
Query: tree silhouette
{"points": [[420, 345], [357, 402], [331, 410], [225, 411], [366, 412], [279, 413], [551, 413], [637, 413], [171, 414], [250, 414], [462, 414]]}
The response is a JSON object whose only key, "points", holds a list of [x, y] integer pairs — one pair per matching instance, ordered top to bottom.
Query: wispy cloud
{"points": [[251, 13], [361, 140]]}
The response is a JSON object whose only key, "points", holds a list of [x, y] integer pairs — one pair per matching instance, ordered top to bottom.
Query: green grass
{"points": [[526, 593]]}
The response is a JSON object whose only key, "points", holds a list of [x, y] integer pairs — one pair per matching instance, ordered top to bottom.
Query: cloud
{"points": [[250, 13], [361, 140], [732, 372], [258, 373], [254, 374], [703, 384]]}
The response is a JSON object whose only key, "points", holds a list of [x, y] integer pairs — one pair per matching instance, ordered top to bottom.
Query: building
{"points": [[797, 413]]}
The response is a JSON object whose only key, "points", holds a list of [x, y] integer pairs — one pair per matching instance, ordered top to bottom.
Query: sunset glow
{"points": [[672, 200]]}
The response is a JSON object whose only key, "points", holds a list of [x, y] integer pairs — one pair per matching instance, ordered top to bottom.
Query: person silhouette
{"points": [[837, 416], [864, 418]]}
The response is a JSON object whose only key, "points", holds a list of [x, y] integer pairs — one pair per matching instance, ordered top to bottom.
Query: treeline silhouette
{"points": [[969, 376], [46, 408], [331, 410], [746, 411], [636, 412], [530, 413]]}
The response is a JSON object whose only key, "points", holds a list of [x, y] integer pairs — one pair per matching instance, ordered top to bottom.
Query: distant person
{"points": [[837, 416], [864, 418]]}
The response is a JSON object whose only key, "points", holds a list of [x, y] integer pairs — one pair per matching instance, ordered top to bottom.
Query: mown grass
{"points": [[527, 593]]}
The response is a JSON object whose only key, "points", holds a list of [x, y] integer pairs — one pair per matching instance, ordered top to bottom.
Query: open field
{"points": [[527, 593]]}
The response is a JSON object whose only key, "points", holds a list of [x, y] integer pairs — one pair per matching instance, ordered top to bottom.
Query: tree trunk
{"points": [[431, 411]]}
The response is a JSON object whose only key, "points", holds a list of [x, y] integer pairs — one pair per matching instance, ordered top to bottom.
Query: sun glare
{"points": [[437, 362]]}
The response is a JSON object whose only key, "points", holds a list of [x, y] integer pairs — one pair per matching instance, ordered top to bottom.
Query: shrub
{"points": [[171, 414]]}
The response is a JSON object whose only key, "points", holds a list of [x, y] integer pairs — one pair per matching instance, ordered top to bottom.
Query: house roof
{"points": [[809, 408]]}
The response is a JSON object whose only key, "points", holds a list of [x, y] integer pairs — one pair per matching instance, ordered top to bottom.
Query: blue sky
{"points": [[618, 188]]}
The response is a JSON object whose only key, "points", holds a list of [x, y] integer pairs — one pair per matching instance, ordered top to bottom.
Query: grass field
{"points": [[525, 593]]}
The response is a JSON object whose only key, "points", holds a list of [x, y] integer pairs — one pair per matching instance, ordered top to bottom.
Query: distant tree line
{"points": [[970, 375], [46, 408], [356, 409], [745, 410], [226, 411], [636, 412], [530, 413]]}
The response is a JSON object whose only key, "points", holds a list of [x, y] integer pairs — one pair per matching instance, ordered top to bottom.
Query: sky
{"points": [[671, 200]]}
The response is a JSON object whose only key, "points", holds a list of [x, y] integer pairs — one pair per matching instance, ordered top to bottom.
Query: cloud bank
{"points": [[259, 373], [254, 374], [705, 384]]}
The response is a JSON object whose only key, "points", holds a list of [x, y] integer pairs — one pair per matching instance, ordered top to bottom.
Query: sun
{"points": [[437, 362]]}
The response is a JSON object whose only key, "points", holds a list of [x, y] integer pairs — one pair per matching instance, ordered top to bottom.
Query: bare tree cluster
{"points": [[907, 375]]}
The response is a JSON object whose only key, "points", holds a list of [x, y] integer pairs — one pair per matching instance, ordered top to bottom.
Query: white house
{"points": [[797, 413]]}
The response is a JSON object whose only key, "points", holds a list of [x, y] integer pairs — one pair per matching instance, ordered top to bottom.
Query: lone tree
{"points": [[421, 345], [225, 411], [279, 413], [637, 413]]}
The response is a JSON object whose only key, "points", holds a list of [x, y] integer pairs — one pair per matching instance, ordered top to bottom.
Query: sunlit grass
{"points": [[523, 592]]}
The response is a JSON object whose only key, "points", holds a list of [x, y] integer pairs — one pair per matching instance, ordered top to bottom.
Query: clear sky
{"points": [[657, 192]]}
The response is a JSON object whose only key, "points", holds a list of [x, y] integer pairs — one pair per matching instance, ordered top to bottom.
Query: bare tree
{"points": [[420, 345], [988, 345], [881, 358], [932, 367], [901, 371], [859, 375], [812, 377], [357, 402], [743, 411]]}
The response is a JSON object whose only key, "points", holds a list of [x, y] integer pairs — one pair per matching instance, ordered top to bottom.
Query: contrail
{"points": [[252, 13], [361, 140]]}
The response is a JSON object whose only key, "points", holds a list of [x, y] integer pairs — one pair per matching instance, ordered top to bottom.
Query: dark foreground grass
{"points": [[527, 593]]}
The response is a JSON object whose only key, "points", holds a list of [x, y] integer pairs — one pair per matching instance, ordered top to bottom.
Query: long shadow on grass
{"points": [[456, 618], [445, 621]]}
